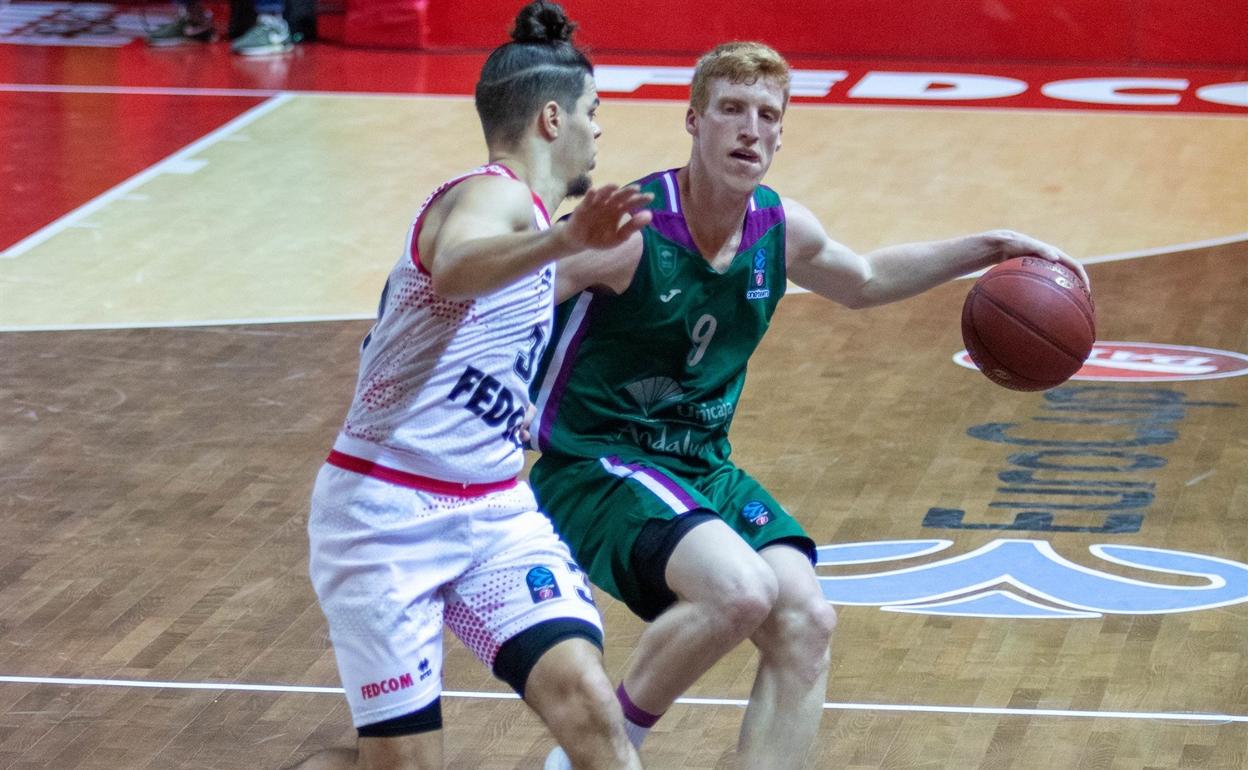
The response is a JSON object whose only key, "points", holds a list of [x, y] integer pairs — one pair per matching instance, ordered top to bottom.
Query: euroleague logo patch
{"points": [[1150, 362]]}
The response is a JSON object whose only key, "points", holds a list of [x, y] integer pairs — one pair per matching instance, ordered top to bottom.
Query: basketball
{"points": [[1029, 324]]}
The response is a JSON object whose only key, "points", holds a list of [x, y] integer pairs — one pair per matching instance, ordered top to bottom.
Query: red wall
{"points": [[1212, 32]]}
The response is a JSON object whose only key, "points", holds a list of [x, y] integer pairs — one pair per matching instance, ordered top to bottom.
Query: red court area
{"points": [[77, 120]]}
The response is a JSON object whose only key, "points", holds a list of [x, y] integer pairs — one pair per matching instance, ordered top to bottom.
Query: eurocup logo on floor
{"points": [[1150, 362], [1011, 578]]}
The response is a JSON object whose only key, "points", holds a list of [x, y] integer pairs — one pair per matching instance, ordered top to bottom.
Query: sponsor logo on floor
{"points": [[1150, 362], [1023, 578]]}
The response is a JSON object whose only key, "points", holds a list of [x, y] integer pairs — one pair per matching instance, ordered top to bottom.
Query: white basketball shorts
{"points": [[391, 565]]}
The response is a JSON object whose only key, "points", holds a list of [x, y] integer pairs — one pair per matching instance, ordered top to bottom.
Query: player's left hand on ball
{"points": [[1018, 245]]}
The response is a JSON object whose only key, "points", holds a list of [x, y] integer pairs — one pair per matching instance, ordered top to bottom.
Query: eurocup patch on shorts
{"points": [[756, 513], [542, 585]]}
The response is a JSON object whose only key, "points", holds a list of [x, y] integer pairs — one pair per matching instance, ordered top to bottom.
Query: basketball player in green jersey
{"points": [[639, 388]]}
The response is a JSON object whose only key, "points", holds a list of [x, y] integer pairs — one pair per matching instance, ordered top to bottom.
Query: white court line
{"points": [[35, 88], [252, 93], [1160, 112], [176, 162], [1166, 249], [1141, 253], [792, 289], [190, 324], [1163, 715]]}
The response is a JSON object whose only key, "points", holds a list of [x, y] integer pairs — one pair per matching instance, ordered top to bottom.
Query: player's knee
{"points": [[745, 599], [749, 608], [822, 619], [810, 622], [798, 634], [567, 685], [589, 694], [582, 708]]}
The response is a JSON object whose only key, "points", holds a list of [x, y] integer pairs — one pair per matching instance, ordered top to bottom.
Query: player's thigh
{"points": [[601, 506], [752, 512], [380, 555], [711, 562], [795, 575], [523, 594], [801, 618], [568, 671]]}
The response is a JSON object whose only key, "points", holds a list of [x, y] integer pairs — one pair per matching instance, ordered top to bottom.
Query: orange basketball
{"points": [[1029, 324]]}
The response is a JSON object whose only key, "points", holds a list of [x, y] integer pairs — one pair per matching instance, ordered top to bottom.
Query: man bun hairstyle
{"points": [[542, 22], [540, 63]]}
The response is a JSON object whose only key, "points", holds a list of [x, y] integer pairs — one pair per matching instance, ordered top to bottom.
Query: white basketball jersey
{"points": [[443, 384]]}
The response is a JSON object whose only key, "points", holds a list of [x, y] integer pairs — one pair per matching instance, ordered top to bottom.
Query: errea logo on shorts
{"points": [[1151, 362], [386, 686]]}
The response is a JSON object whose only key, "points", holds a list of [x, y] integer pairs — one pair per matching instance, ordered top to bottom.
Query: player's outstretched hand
{"points": [[607, 216], [1012, 244]]}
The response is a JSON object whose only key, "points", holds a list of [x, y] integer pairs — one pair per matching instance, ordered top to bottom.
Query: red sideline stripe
{"points": [[411, 480]]}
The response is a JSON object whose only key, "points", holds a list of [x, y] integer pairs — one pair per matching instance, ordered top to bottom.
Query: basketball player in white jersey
{"points": [[417, 519]]}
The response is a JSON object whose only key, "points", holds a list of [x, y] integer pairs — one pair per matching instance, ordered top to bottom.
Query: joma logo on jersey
{"points": [[490, 401], [1028, 579], [386, 686]]}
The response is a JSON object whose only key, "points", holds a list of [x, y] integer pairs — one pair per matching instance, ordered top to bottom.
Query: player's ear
{"points": [[549, 120], [691, 122], [780, 138]]}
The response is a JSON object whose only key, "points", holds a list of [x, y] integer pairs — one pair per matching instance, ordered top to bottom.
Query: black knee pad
{"points": [[651, 552], [519, 654], [424, 720]]}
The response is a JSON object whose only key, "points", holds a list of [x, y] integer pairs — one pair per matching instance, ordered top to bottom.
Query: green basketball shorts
{"points": [[601, 506]]}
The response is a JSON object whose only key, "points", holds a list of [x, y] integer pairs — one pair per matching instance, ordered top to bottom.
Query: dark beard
{"points": [[579, 186]]}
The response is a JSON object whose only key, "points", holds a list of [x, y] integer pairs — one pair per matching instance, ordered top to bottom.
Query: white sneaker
{"points": [[270, 35], [557, 759]]}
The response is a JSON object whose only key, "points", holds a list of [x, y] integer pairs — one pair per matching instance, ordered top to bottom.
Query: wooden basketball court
{"points": [[180, 347]]}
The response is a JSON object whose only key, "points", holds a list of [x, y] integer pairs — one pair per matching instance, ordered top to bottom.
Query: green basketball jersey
{"points": [[656, 372]]}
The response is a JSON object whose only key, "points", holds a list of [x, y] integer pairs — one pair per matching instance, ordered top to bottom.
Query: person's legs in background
{"points": [[193, 24], [269, 35]]}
